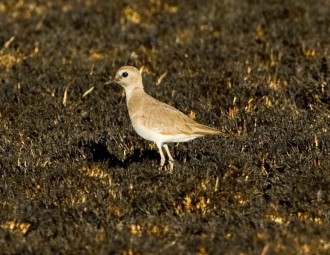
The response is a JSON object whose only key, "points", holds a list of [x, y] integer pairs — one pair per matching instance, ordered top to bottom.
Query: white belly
{"points": [[159, 138]]}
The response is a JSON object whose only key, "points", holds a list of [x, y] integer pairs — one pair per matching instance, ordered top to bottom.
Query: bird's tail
{"points": [[205, 130]]}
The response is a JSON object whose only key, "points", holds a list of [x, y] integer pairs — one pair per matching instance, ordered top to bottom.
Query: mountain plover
{"points": [[154, 120]]}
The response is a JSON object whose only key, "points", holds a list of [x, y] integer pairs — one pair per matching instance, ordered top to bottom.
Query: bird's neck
{"points": [[131, 92]]}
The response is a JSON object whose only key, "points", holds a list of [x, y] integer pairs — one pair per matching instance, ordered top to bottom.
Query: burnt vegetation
{"points": [[74, 176]]}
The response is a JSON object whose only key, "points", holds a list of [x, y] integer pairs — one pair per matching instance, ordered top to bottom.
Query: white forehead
{"points": [[124, 71], [130, 72]]}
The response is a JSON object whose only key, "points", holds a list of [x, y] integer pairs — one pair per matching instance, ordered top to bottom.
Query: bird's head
{"points": [[128, 77]]}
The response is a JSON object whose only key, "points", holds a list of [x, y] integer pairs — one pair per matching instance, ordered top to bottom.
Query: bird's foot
{"points": [[171, 165], [168, 167]]}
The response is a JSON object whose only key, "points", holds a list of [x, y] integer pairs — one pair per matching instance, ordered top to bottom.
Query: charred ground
{"points": [[75, 178]]}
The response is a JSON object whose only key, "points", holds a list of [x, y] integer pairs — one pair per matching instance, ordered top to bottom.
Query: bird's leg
{"points": [[162, 157], [171, 160]]}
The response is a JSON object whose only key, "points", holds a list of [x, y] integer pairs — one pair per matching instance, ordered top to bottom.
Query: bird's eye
{"points": [[125, 74]]}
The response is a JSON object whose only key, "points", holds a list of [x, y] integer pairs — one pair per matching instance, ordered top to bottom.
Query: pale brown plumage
{"points": [[164, 118], [155, 120]]}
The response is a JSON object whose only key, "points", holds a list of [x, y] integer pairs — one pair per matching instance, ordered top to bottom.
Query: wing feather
{"points": [[167, 120]]}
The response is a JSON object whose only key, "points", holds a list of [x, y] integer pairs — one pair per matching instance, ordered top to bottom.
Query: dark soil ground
{"points": [[76, 179]]}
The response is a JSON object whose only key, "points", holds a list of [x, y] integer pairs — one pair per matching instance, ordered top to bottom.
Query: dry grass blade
{"points": [[88, 91]]}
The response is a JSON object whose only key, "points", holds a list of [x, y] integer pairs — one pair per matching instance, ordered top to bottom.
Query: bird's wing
{"points": [[167, 120]]}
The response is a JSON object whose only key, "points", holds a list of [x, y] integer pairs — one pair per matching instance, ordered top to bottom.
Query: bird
{"points": [[154, 120]]}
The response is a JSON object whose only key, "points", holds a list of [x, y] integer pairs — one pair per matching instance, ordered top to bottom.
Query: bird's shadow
{"points": [[98, 152]]}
